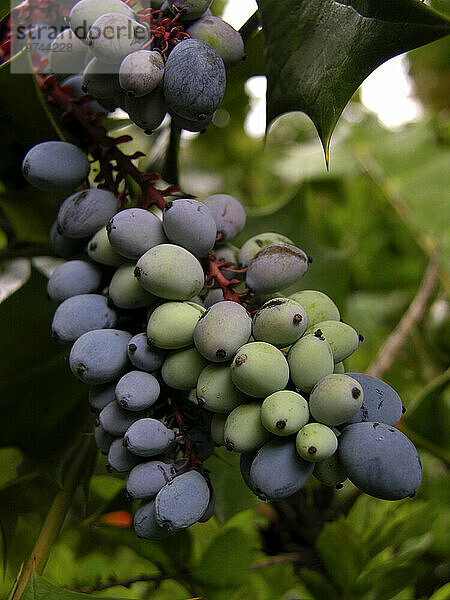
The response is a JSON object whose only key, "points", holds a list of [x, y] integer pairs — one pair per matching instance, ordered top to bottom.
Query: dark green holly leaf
{"points": [[318, 52], [24, 121], [43, 407], [231, 495], [170, 555], [225, 563], [343, 567], [319, 585], [39, 589]]}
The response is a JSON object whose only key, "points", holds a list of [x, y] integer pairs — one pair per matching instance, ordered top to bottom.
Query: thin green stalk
{"points": [[250, 26], [170, 170], [423, 442], [55, 517]]}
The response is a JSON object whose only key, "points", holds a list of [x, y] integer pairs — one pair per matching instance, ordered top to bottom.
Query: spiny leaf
{"points": [[318, 52]]}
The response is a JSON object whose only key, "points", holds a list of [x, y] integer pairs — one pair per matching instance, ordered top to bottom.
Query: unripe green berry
{"points": [[318, 306], [280, 322], [171, 325], [342, 338], [310, 359], [182, 368], [259, 369], [215, 390], [335, 399], [284, 412], [243, 428], [218, 429], [316, 442]]}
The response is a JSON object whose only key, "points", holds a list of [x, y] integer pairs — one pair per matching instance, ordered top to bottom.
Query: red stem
{"points": [[103, 147], [215, 275], [189, 452]]}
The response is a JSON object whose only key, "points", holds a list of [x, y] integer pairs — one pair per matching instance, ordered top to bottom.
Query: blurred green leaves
{"points": [[428, 412], [372, 552]]}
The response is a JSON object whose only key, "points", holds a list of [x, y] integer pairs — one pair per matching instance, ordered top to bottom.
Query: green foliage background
{"points": [[371, 223]]}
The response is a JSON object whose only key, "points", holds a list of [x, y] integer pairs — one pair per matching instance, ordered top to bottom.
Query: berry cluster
{"points": [[171, 59], [187, 341]]}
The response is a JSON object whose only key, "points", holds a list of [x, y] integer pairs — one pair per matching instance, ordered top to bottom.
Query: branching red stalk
{"points": [[165, 32], [104, 148], [215, 276], [189, 453]]}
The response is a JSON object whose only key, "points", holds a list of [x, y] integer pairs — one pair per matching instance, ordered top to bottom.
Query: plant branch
{"points": [[103, 147], [215, 276], [391, 347], [55, 517], [289, 558], [279, 559], [127, 583]]}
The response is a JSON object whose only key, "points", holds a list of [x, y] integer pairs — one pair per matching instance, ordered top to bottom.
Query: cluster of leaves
{"points": [[371, 225]]}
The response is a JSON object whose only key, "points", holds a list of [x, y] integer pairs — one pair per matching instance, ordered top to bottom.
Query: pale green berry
{"points": [[99, 249], [125, 291], [318, 306], [280, 322], [171, 325], [343, 339], [310, 359], [182, 368], [259, 369], [215, 390], [335, 399], [284, 412], [243, 428], [218, 429], [316, 442]]}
